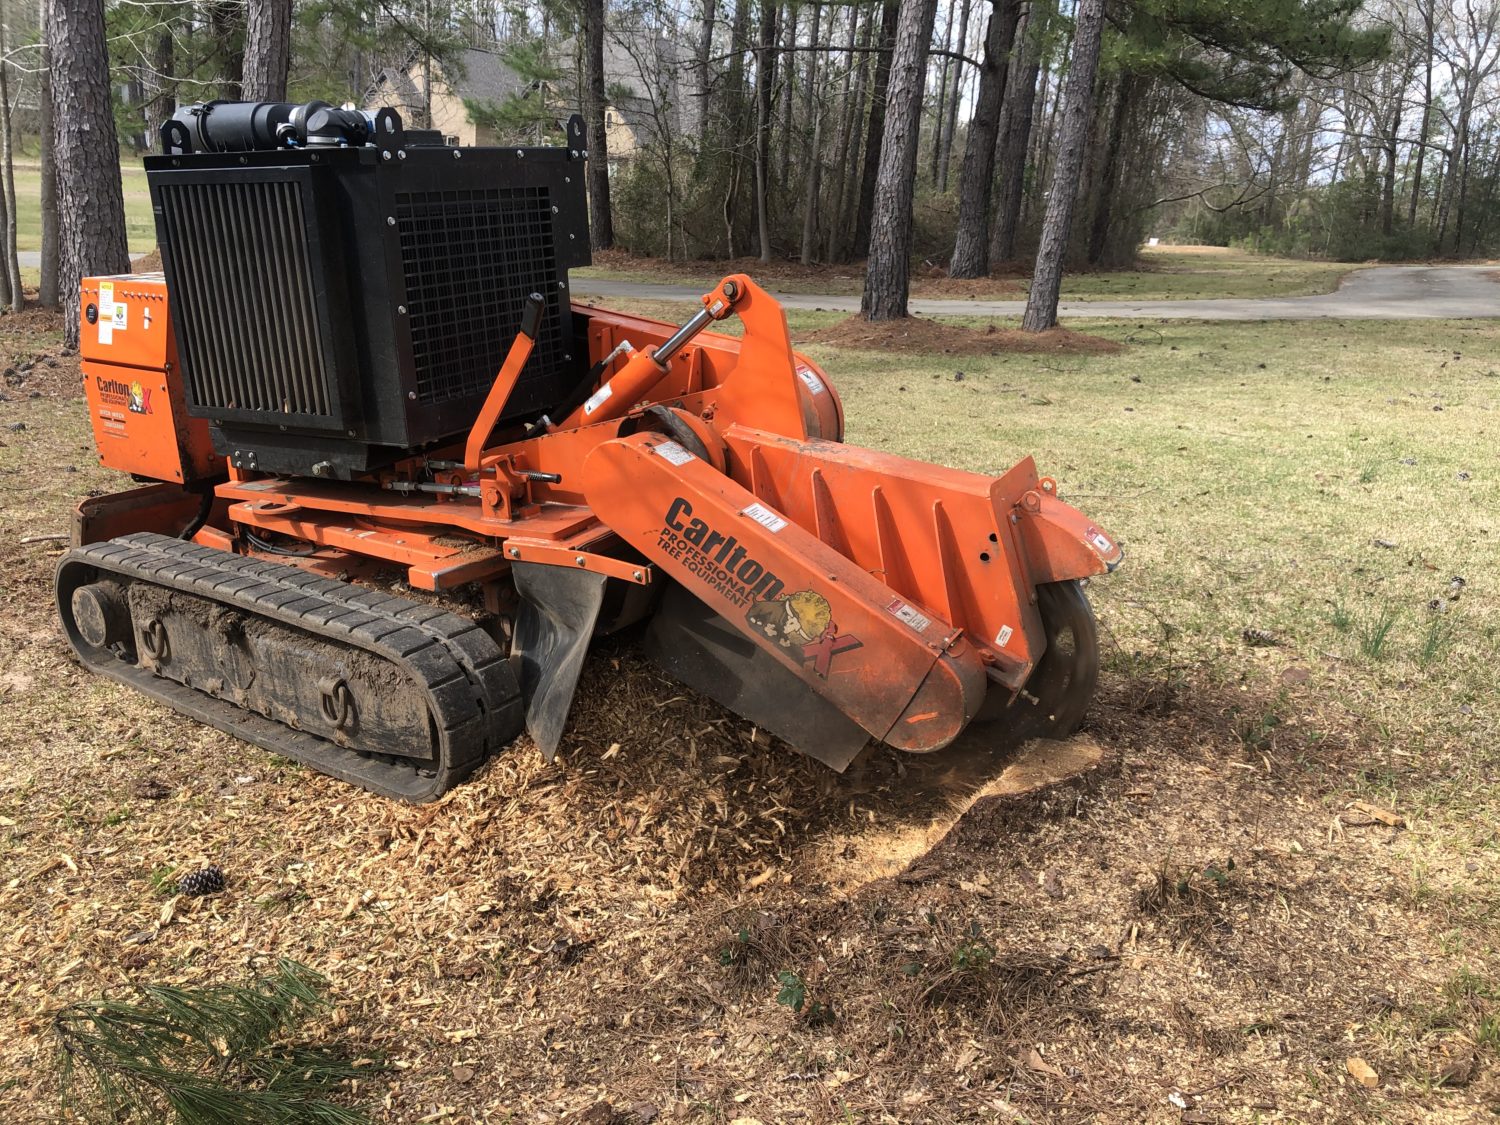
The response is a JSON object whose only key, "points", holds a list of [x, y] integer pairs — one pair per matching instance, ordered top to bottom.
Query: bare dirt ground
{"points": [[1207, 928]]}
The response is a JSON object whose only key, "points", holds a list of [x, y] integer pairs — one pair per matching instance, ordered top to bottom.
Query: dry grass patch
{"points": [[936, 337]]}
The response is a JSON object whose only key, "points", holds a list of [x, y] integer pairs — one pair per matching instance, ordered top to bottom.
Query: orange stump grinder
{"points": [[361, 356]]}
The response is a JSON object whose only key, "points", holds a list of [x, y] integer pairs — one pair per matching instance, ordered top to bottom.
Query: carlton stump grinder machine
{"points": [[361, 356]]}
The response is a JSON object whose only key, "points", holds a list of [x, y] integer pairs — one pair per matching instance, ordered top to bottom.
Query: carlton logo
{"points": [[133, 396], [720, 560], [801, 623]]}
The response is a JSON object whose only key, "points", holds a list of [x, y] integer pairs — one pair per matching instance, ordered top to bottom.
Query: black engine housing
{"points": [[337, 305]]}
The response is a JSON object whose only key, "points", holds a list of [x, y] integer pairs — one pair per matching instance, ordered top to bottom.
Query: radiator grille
{"points": [[470, 259], [245, 301]]}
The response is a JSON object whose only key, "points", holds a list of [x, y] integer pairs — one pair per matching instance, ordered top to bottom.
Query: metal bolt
{"points": [[520, 152], [573, 152], [584, 154], [401, 155], [457, 155], [385, 156], [566, 179], [554, 209], [390, 220], [562, 284], [401, 309], [411, 395], [514, 552], [580, 560], [637, 575]]}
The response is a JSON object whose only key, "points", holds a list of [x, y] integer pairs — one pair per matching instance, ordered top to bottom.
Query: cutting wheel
{"points": [[1061, 686]]}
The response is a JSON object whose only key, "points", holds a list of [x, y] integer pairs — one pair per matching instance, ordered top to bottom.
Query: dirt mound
{"points": [[151, 263], [968, 288], [919, 334]]}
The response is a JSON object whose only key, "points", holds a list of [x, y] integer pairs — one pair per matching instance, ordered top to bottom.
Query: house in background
{"points": [[482, 78], [417, 88]]}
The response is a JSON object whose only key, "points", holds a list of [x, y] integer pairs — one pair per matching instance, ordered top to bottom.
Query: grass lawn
{"points": [[140, 228], [1165, 273], [1290, 873]]}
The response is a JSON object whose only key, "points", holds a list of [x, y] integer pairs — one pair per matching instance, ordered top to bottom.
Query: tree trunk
{"points": [[227, 32], [268, 50], [704, 51], [765, 78], [163, 100], [941, 113], [949, 126], [1422, 130], [875, 133], [1015, 140], [87, 151], [814, 175], [1109, 175], [976, 180], [845, 195], [601, 220], [12, 264], [888, 273], [1046, 279], [47, 294]]}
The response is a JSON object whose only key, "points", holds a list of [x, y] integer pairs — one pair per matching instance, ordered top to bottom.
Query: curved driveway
{"points": [[1376, 293]]}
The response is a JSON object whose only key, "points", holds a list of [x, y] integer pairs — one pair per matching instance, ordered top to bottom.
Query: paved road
{"points": [[1377, 293]]}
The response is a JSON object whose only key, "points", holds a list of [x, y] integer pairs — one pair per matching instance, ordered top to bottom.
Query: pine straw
{"points": [[919, 334]]}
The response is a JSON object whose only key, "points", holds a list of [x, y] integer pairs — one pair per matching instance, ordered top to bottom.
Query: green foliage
{"points": [[1244, 54], [1375, 631], [973, 954], [793, 993], [223, 1054]]}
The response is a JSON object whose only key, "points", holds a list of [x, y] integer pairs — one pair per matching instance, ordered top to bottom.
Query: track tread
{"points": [[468, 679]]}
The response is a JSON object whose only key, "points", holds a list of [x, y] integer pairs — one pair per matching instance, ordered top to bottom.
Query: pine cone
{"points": [[1260, 638], [209, 881]]}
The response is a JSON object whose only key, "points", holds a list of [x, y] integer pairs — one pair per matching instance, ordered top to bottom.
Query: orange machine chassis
{"points": [[896, 591]]}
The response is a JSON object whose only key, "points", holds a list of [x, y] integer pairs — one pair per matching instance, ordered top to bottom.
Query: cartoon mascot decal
{"points": [[140, 399], [803, 622]]}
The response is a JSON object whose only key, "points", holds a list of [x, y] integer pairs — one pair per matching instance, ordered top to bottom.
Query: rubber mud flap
{"points": [[559, 609], [693, 644]]}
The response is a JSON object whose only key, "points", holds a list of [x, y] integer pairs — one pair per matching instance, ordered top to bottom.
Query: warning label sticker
{"points": [[106, 312], [810, 377], [598, 399], [674, 453], [765, 517], [910, 614]]}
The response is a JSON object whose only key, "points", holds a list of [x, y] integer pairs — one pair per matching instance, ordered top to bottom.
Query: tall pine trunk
{"points": [[268, 50], [765, 78], [942, 99], [949, 125], [875, 133], [1015, 137], [88, 151], [976, 180], [845, 194], [601, 219], [12, 263], [888, 274], [1046, 279], [47, 291]]}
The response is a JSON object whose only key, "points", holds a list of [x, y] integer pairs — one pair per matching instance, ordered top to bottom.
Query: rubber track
{"points": [[470, 685]]}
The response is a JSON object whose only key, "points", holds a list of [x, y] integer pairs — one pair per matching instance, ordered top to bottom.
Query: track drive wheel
{"points": [[1061, 686]]}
